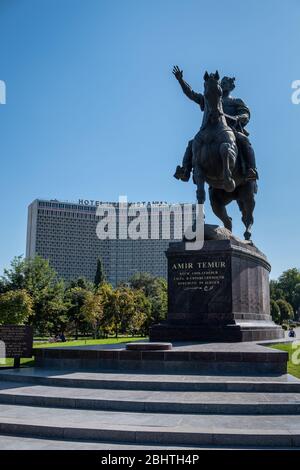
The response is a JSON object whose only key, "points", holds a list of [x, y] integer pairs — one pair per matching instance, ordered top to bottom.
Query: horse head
{"points": [[213, 95]]}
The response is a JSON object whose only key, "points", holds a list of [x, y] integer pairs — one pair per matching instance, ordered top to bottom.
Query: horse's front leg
{"points": [[228, 151], [198, 177]]}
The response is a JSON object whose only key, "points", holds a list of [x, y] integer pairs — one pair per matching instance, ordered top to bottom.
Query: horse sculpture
{"points": [[216, 161]]}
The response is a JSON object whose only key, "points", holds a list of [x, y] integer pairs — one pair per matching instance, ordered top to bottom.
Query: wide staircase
{"points": [[126, 410]]}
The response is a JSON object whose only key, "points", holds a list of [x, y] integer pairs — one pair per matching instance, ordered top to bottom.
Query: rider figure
{"points": [[240, 117]]}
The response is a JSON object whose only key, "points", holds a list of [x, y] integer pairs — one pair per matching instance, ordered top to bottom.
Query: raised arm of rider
{"points": [[192, 95]]}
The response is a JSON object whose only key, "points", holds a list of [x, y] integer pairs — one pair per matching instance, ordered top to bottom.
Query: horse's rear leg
{"points": [[246, 204], [219, 208], [247, 217]]}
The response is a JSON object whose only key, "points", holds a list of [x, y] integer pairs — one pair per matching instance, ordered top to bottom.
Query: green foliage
{"points": [[38, 275], [99, 276], [14, 277], [39, 280], [81, 282], [144, 282], [289, 282], [287, 287], [155, 289], [275, 290], [106, 292], [47, 293], [75, 298], [159, 301], [15, 307], [82, 307], [120, 308], [93, 310], [286, 310], [275, 311], [52, 316], [138, 321]]}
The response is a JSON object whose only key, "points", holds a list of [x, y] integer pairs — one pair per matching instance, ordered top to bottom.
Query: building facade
{"points": [[67, 234]]}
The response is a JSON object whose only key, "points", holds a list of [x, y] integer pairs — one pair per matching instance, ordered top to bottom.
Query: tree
{"points": [[38, 275], [99, 276], [14, 277], [39, 280], [81, 282], [145, 282], [287, 287], [155, 289], [106, 291], [276, 292], [47, 293], [75, 298], [296, 300], [159, 301], [15, 307], [121, 307], [93, 310], [286, 310], [275, 311], [53, 315], [138, 320], [136, 323]]}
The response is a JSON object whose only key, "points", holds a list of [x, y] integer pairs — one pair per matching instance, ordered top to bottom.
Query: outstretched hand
{"points": [[177, 72]]}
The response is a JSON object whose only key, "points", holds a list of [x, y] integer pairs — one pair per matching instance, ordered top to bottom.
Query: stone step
{"points": [[139, 381], [150, 401], [151, 428], [8, 442]]}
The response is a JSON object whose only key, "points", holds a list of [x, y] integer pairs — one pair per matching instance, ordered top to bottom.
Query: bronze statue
{"points": [[221, 154]]}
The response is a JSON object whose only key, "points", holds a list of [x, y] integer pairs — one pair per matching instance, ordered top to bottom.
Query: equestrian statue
{"points": [[221, 154]]}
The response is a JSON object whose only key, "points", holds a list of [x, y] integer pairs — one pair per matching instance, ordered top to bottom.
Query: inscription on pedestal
{"points": [[202, 275], [199, 285]]}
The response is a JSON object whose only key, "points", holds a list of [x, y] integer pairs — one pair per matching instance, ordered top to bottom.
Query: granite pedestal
{"points": [[218, 293]]}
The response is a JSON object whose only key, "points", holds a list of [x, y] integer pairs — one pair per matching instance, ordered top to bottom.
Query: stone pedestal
{"points": [[218, 293]]}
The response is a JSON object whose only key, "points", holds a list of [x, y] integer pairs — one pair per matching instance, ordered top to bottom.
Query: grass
{"points": [[90, 342], [29, 362], [293, 369]]}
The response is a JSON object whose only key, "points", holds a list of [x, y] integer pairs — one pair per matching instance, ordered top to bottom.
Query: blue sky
{"points": [[93, 110]]}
